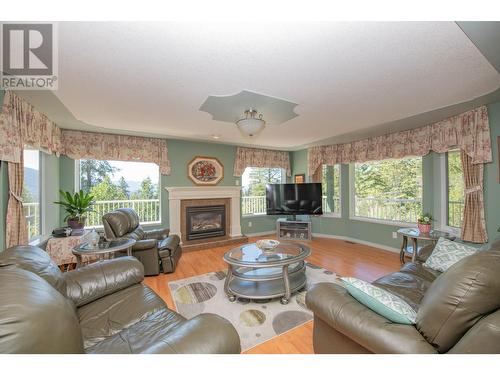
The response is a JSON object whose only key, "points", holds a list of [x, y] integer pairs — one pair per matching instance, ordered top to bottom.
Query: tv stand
{"points": [[293, 230]]}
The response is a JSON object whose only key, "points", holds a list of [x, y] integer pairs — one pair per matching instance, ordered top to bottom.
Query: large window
{"points": [[253, 181], [330, 183], [117, 184], [455, 189], [389, 190], [32, 192]]}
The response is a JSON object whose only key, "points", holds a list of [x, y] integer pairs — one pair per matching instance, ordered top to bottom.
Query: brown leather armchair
{"points": [[155, 249], [100, 308], [458, 311]]}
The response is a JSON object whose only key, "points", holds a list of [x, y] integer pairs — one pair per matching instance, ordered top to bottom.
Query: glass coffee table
{"points": [[102, 248], [257, 274]]}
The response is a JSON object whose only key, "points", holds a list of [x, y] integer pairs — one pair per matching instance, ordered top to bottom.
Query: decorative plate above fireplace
{"points": [[205, 170]]}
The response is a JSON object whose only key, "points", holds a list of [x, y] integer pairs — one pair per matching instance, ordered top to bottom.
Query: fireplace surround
{"points": [[180, 197]]}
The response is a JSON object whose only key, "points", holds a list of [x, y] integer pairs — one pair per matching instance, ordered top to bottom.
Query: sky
{"points": [[31, 159], [135, 171]]}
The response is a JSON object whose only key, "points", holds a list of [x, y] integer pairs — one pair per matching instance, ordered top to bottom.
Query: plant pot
{"points": [[75, 223], [424, 228]]}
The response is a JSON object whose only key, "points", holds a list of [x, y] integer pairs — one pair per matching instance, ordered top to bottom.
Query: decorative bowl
{"points": [[267, 245]]}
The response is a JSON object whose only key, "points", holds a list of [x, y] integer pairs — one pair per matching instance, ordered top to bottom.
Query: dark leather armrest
{"points": [[157, 234], [171, 243], [145, 244], [425, 252], [99, 279], [337, 308], [204, 334]]}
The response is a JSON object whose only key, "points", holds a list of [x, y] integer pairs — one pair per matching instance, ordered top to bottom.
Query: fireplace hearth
{"points": [[205, 222]]}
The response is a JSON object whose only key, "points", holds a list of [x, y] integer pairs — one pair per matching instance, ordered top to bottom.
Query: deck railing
{"points": [[252, 205], [147, 209], [404, 210], [455, 213], [32, 214]]}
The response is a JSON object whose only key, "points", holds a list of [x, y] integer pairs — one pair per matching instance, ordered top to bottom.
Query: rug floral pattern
{"points": [[256, 322]]}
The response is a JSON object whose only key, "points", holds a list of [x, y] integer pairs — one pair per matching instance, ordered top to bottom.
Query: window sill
{"points": [[253, 215], [332, 215], [384, 222]]}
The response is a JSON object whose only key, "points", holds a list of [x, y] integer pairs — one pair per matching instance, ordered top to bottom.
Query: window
{"points": [[253, 181], [330, 183], [120, 184], [455, 189], [389, 190], [32, 192]]}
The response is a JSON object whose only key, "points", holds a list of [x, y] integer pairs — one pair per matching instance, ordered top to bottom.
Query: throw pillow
{"points": [[446, 253], [380, 300]]}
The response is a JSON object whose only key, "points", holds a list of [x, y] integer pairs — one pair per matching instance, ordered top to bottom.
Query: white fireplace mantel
{"points": [[178, 193]]}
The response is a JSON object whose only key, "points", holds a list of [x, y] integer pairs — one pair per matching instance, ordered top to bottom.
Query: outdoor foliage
{"points": [[96, 178], [258, 178], [389, 189], [455, 189]]}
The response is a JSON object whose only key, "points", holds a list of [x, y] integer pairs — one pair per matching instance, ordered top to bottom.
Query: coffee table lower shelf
{"points": [[265, 289]]}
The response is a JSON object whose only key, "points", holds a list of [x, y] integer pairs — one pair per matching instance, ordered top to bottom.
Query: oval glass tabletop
{"points": [[103, 247], [251, 255]]}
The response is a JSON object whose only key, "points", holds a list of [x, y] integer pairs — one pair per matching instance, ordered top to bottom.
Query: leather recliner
{"points": [[156, 249], [100, 308], [457, 310]]}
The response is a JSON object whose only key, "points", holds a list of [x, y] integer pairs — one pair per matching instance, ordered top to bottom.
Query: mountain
{"points": [[32, 181]]}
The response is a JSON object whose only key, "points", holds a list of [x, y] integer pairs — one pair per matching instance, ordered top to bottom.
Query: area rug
{"points": [[256, 322]]}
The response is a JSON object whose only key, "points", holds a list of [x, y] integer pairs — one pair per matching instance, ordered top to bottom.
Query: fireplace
{"points": [[205, 222]]}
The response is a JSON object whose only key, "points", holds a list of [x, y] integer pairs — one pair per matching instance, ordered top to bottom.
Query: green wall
{"points": [[180, 154], [60, 174], [382, 233]]}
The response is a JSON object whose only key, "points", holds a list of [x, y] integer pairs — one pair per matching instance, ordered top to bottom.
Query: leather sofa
{"points": [[155, 249], [100, 308], [457, 311]]}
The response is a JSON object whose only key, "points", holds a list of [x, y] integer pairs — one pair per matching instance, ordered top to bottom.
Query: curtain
{"points": [[470, 131], [100, 146], [256, 157], [473, 223], [17, 229]]}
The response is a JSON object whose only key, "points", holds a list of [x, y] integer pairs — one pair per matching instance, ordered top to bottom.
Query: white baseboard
{"points": [[257, 234], [362, 242]]}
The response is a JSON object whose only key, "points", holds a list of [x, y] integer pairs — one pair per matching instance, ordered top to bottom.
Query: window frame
{"points": [[283, 179], [352, 200], [336, 214], [142, 223]]}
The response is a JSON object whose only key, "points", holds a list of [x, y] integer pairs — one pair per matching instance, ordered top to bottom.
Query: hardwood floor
{"points": [[344, 258]]}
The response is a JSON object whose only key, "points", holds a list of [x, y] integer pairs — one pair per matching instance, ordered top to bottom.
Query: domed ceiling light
{"points": [[251, 124]]}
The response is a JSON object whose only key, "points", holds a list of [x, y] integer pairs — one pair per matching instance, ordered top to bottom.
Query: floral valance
{"points": [[21, 124], [469, 131], [100, 146], [256, 157]]}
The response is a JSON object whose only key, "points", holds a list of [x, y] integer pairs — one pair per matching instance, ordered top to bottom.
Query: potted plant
{"points": [[76, 206], [424, 223]]}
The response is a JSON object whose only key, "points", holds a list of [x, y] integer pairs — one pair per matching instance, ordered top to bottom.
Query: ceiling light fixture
{"points": [[251, 124], [215, 136]]}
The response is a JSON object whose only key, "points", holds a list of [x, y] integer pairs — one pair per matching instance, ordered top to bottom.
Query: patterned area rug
{"points": [[255, 321]]}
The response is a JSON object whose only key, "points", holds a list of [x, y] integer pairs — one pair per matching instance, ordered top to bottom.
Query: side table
{"points": [[414, 234], [102, 248], [60, 249]]}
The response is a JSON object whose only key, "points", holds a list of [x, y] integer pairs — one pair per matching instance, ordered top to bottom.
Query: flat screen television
{"points": [[294, 199]]}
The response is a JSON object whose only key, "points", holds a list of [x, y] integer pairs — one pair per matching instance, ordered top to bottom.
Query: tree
{"points": [[93, 172], [259, 177], [123, 186], [106, 190], [148, 190]]}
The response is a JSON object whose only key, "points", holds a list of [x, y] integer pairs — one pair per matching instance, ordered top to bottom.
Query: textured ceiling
{"points": [[152, 78]]}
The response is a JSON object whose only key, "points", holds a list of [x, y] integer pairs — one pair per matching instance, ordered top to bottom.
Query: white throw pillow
{"points": [[446, 253], [380, 300]]}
